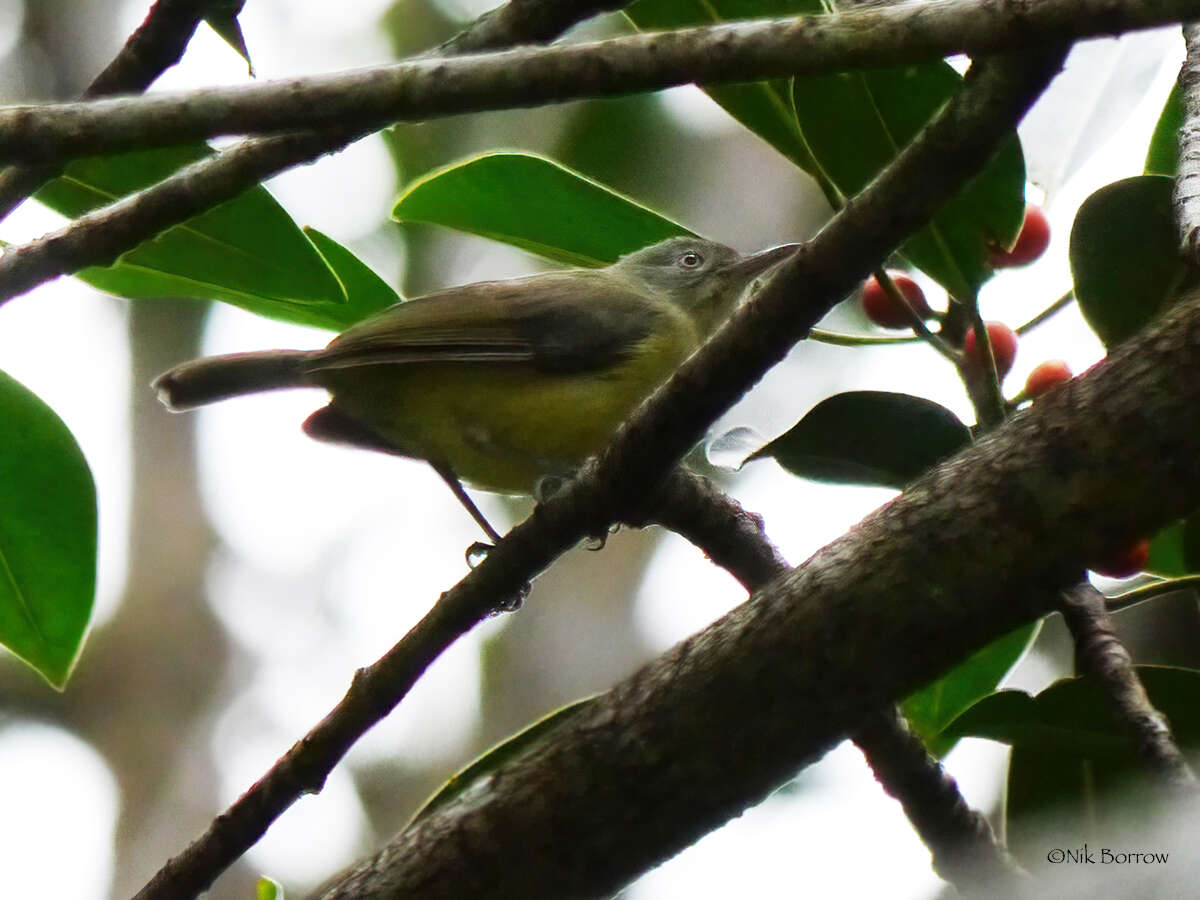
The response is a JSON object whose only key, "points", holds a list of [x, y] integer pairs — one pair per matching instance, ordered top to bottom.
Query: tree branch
{"points": [[156, 45], [419, 89], [1187, 178], [715, 523], [1102, 656], [964, 848]]}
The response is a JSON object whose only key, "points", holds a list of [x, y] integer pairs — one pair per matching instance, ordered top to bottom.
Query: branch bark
{"points": [[419, 89], [1187, 179], [1102, 656]]}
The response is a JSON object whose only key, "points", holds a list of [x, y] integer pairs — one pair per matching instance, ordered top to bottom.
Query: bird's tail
{"points": [[214, 378]]}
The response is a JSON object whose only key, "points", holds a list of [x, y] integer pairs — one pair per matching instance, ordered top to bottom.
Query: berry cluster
{"points": [[882, 305]]}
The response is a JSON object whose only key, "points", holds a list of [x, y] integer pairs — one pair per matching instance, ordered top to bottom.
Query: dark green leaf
{"points": [[223, 19], [765, 107], [855, 123], [1163, 155], [537, 205], [247, 251], [1124, 256], [869, 437], [47, 536], [1175, 551], [1166, 552], [932, 708], [1073, 713], [508, 749], [1071, 762]]}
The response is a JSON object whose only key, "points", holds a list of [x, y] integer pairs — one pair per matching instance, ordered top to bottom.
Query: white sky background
{"points": [[254, 462]]}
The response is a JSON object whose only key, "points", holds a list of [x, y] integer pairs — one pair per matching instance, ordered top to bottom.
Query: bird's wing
{"points": [[561, 322]]}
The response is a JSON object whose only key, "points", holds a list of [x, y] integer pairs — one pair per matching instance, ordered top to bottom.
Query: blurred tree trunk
{"points": [[78, 39], [160, 662]]}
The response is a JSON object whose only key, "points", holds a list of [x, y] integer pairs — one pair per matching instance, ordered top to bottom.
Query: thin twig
{"points": [[420, 89], [1060, 304], [919, 328], [838, 339], [979, 374], [734, 539], [1100, 654], [964, 847]]}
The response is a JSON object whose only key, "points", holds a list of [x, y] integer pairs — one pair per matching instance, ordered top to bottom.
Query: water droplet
{"points": [[731, 449], [595, 542], [477, 553], [512, 602]]}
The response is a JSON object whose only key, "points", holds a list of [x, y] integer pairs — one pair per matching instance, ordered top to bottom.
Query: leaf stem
{"points": [[1057, 306]]}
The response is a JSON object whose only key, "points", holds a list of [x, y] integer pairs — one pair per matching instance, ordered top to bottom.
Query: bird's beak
{"points": [[756, 263]]}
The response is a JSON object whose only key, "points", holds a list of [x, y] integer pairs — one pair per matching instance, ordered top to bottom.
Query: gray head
{"points": [[705, 277]]}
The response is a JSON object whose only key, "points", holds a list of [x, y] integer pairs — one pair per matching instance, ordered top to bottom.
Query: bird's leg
{"points": [[460, 492]]}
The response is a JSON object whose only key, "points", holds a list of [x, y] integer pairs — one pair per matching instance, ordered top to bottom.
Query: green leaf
{"points": [[223, 19], [765, 107], [855, 123], [1162, 157], [536, 204], [247, 251], [1124, 256], [366, 292], [869, 437], [47, 536], [1175, 551], [1166, 552], [936, 705], [508, 749], [1074, 775]]}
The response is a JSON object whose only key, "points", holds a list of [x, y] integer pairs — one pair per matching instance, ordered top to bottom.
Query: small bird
{"points": [[504, 383]]}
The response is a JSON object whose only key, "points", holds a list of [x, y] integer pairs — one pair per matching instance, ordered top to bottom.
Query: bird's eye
{"points": [[691, 259]]}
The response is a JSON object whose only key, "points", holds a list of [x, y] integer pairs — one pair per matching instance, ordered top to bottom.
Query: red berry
{"points": [[1031, 243], [882, 310], [1004, 348], [1045, 376], [1129, 561]]}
